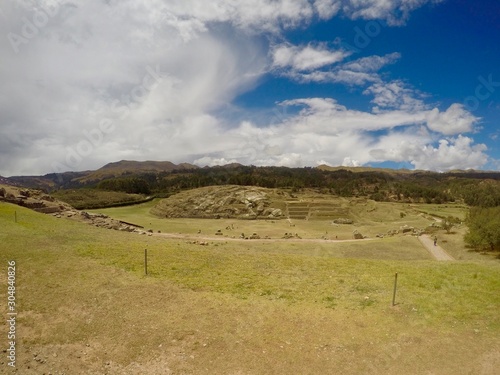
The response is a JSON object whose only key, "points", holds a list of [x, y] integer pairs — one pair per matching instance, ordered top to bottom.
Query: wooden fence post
{"points": [[395, 288]]}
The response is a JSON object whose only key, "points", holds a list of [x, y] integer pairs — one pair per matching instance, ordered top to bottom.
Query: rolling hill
{"points": [[67, 180]]}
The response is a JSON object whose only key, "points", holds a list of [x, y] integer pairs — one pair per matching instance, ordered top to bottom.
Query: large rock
{"points": [[230, 201], [406, 229], [356, 235]]}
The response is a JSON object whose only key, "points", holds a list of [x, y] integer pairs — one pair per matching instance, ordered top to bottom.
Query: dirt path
{"points": [[193, 237], [436, 251]]}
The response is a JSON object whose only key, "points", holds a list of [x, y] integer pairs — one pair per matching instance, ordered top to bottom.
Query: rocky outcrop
{"points": [[33, 199], [239, 202], [43, 203], [357, 235]]}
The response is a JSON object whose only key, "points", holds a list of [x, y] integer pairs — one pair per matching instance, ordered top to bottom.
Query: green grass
{"points": [[443, 210], [370, 224], [439, 294], [85, 305]]}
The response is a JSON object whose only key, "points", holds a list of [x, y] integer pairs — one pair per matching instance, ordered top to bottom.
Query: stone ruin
{"points": [[343, 220]]}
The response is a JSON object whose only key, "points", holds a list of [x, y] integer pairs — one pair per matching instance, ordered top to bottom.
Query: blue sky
{"points": [[399, 83]]}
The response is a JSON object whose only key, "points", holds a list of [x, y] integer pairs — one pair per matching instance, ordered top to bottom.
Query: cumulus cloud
{"points": [[326, 9], [105, 62], [96, 81], [456, 119], [325, 132], [452, 153]]}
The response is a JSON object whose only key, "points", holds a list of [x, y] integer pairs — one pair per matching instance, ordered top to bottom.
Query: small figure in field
{"points": [[435, 240]]}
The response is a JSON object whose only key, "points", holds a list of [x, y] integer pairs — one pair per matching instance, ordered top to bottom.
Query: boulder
{"points": [[25, 193], [406, 229], [392, 232], [356, 235], [255, 236]]}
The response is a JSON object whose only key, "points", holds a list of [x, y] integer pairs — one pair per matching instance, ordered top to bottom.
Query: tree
{"points": [[449, 223], [484, 228]]}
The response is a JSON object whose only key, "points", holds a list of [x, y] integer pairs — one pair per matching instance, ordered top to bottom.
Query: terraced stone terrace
{"points": [[319, 210]]}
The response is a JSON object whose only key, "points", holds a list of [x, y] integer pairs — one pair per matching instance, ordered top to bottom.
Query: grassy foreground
{"points": [[85, 306]]}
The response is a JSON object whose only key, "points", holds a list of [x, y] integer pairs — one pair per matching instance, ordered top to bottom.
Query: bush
{"points": [[484, 228]]}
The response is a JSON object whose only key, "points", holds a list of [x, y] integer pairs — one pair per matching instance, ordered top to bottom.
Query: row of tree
{"points": [[132, 185], [378, 185]]}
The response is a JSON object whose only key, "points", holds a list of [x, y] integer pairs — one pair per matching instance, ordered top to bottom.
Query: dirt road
{"points": [[193, 237], [436, 251]]}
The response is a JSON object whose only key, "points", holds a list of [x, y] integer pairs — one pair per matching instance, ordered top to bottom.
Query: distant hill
{"points": [[130, 167], [325, 167], [4, 180], [71, 180], [481, 188]]}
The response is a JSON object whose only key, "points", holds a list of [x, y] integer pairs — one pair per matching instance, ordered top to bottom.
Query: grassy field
{"points": [[442, 210], [370, 219], [380, 219], [247, 307]]}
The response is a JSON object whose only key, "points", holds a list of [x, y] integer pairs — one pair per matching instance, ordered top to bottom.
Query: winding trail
{"points": [[436, 251]]}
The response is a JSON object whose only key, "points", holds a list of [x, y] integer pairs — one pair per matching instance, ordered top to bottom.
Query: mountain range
{"points": [[130, 168], [54, 181]]}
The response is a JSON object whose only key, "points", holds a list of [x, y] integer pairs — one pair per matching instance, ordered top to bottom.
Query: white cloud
{"points": [[326, 9], [395, 12], [300, 58], [91, 64], [372, 64], [354, 73], [339, 76], [395, 94], [328, 115], [456, 119], [329, 132], [452, 153], [211, 161], [348, 162]]}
